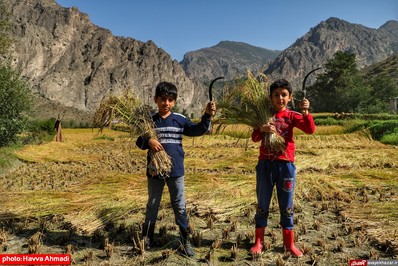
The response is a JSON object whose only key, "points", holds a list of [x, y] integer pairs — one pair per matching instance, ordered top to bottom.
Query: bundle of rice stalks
{"points": [[249, 104], [137, 118]]}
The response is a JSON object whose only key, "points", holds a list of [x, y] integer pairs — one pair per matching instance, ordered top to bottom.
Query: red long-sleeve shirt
{"points": [[284, 122]]}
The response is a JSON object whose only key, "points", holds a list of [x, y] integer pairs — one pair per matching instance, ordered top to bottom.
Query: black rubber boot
{"points": [[148, 233], [186, 246]]}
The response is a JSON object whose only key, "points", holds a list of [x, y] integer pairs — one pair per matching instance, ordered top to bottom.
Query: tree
{"points": [[340, 88], [382, 88], [15, 94], [15, 99]]}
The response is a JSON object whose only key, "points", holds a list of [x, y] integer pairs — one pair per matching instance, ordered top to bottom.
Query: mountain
{"points": [[324, 40], [227, 58], [74, 63], [385, 68]]}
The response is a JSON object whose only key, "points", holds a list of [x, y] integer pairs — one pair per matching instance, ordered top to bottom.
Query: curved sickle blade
{"points": [[305, 79], [211, 87]]}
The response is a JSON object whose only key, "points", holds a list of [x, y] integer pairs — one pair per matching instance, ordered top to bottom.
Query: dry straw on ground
{"points": [[249, 104], [137, 118], [100, 192]]}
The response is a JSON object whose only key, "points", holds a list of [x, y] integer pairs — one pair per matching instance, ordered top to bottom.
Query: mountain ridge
{"points": [[321, 42], [310, 51], [228, 58], [68, 59], [74, 63]]}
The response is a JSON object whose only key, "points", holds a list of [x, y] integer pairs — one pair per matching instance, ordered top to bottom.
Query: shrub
{"points": [[15, 100], [380, 116], [328, 121], [75, 124], [355, 125], [381, 128], [38, 131], [391, 139], [7, 156]]}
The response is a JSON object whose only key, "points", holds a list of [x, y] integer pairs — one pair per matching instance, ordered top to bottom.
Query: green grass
{"points": [[391, 139], [8, 157]]}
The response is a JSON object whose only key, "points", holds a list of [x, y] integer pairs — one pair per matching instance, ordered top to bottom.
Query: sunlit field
{"points": [[89, 192]]}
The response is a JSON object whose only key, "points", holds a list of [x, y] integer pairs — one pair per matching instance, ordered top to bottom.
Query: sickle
{"points": [[305, 79], [211, 86]]}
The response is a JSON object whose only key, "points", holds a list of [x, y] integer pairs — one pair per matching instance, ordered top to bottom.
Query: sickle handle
{"points": [[305, 79], [211, 87], [211, 92], [305, 111]]}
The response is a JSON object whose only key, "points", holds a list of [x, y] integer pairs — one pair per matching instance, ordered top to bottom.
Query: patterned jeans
{"points": [[281, 174]]}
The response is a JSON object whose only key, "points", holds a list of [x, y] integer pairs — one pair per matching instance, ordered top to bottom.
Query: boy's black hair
{"points": [[280, 83], [166, 89]]}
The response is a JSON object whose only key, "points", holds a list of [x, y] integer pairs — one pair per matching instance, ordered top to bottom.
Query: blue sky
{"points": [[181, 26]]}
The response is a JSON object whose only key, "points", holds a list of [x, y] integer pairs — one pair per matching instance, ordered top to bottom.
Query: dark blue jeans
{"points": [[281, 174], [177, 197]]}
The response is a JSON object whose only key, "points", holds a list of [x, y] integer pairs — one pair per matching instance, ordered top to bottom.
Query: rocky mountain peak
{"points": [[337, 24], [390, 25], [324, 40], [227, 58], [69, 60]]}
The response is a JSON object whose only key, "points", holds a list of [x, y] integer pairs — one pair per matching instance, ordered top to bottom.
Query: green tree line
{"points": [[343, 88]]}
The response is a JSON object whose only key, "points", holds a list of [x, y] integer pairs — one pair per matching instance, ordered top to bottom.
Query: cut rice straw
{"points": [[249, 104], [137, 117]]}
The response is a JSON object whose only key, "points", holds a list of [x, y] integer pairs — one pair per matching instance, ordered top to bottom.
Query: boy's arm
{"points": [[306, 124], [191, 129], [257, 135], [142, 143], [150, 143]]}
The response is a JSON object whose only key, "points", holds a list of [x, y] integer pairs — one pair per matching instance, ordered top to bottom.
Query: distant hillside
{"points": [[320, 44], [228, 59], [72, 63], [387, 67]]}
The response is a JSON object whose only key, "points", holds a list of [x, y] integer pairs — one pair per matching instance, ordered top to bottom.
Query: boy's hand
{"points": [[304, 106], [211, 108], [268, 128], [155, 145]]}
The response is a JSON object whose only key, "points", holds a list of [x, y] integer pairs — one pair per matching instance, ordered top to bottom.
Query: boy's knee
{"points": [[260, 212], [287, 213]]}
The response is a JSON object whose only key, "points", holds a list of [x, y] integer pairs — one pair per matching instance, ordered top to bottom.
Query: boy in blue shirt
{"points": [[170, 127]]}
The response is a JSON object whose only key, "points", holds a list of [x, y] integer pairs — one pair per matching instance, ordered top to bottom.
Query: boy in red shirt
{"points": [[278, 168]]}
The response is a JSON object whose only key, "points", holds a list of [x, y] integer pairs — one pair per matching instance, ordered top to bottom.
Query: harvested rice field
{"points": [[86, 196]]}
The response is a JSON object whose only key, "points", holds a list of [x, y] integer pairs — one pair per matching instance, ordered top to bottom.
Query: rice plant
{"points": [[249, 104], [137, 118]]}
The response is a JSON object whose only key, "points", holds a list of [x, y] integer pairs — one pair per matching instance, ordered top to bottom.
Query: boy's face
{"points": [[280, 98], [165, 104]]}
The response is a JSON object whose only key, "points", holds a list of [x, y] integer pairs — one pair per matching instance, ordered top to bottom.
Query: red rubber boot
{"points": [[259, 243], [288, 243]]}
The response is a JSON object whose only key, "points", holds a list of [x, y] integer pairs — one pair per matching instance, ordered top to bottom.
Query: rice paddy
{"points": [[87, 195]]}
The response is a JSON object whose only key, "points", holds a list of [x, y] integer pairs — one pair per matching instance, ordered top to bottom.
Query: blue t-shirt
{"points": [[169, 132]]}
